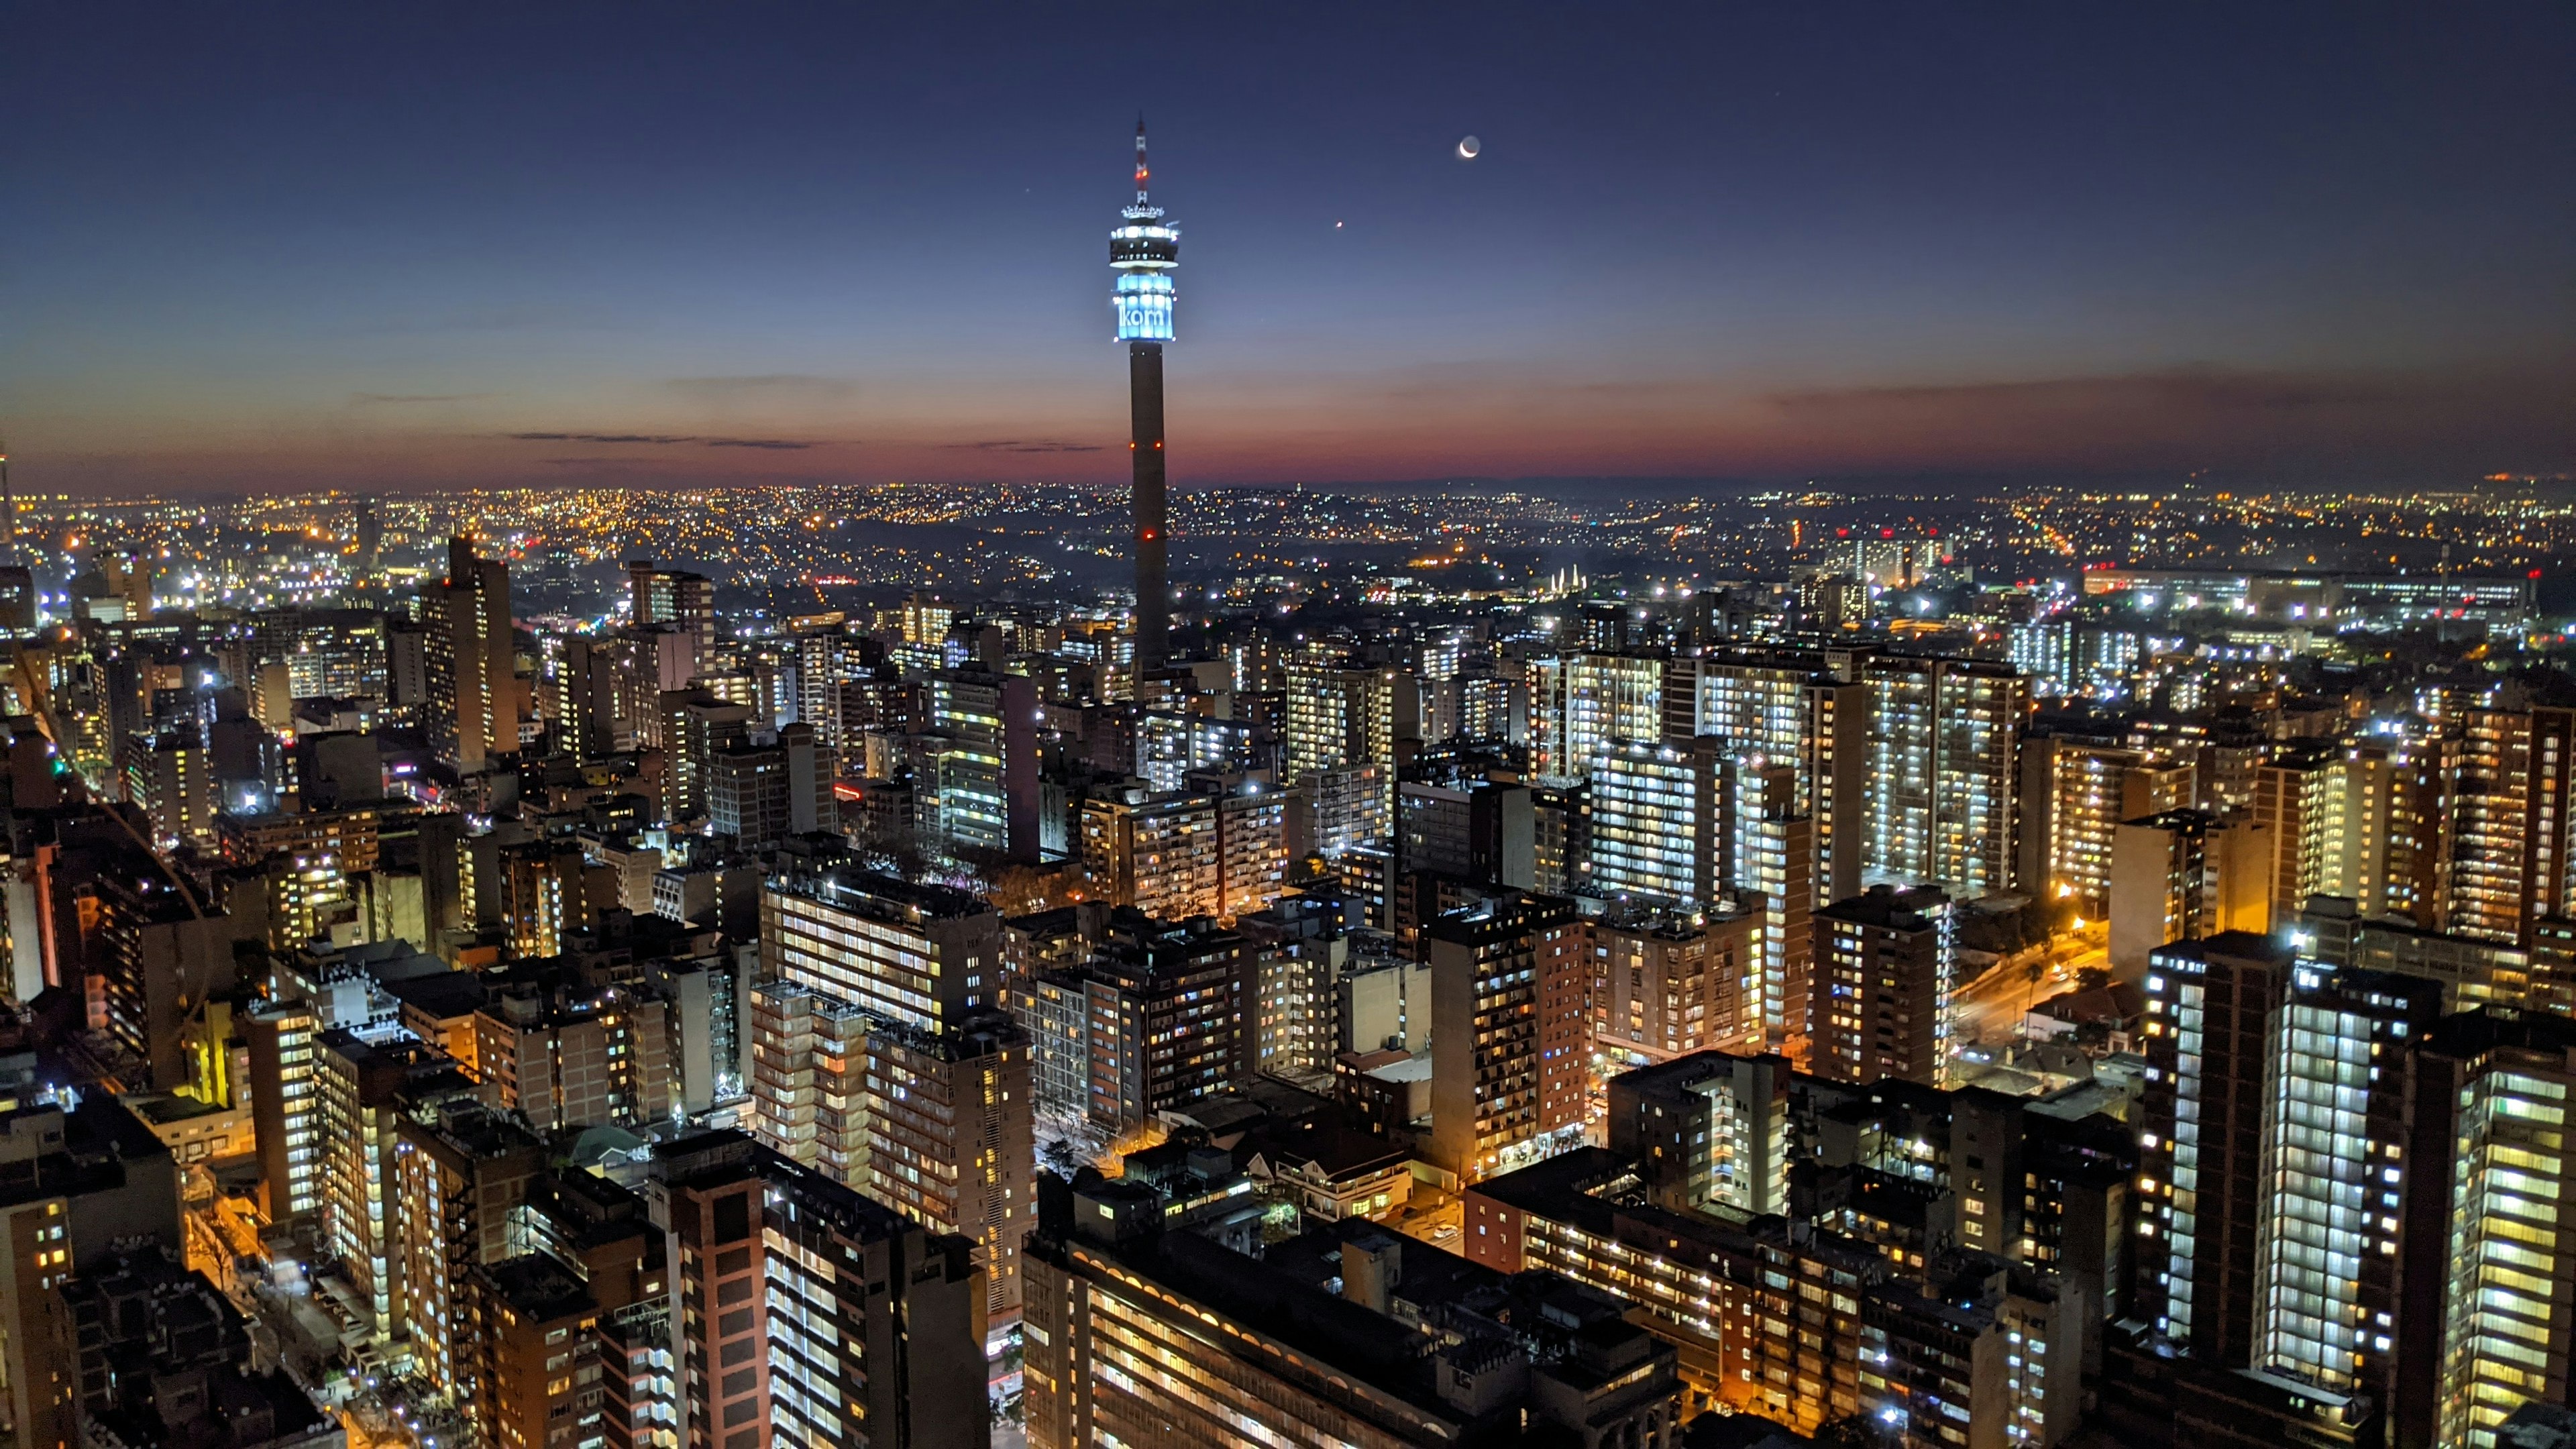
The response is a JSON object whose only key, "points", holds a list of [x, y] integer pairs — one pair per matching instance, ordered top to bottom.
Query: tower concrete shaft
{"points": [[1153, 585]]}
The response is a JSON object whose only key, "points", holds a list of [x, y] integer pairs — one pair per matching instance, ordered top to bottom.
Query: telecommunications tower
{"points": [[1143, 250]]}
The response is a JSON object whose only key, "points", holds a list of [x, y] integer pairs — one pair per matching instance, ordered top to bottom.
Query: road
{"points": [[1990, 1008], [1433, 1216]]}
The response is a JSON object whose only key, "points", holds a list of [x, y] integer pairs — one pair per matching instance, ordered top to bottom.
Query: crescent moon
{"points": [[1468, 148]]}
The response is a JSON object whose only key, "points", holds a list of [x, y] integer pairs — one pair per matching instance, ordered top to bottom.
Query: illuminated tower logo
{"points": [[1143, 250]]}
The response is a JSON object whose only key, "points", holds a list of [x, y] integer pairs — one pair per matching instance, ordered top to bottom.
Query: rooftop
{"points": [[883, 897], [1889, 907], [1502, 916], [445, 996], [1402, 1067], [1339, 1152], [540, 1288], [1330, 1330]]}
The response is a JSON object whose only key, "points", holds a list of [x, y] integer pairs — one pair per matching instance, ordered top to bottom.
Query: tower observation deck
{"points": [[1143, 250]]}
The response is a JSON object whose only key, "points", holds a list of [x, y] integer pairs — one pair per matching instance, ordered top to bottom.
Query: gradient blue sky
{"points": [[364, 246]]}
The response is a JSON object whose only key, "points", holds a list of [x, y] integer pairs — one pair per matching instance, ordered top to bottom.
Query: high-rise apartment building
{"points": [[673, 597], [924, 621], [327, 653], [835, 672], [607, 698], [1599, 700], [475, 701], [1480, 706], [1808, 710], [1340, 719], [697, 728], [1172, 745], [1916, 757], [985, 766], [1944, 770], [172, 777], [2294, 793], [747, 794], [761, 794], [2074, 794], [1352, 809], [1660, 817], [1457, 820], [2361, 821], [2461, 827], [1252, 828], [1561, 837], [1218, 852], [1771, 863], [2509, 866], [2184, 874], [1300, 953], [922, 956], [154, 959], [1884, 968], [1494, 971], [2473, 972], [1668, 983], [709, 1003], [1383, 1004], [1054, 1007], [2213, 1009], [1166, 1017], [881, 1055], [809, 1057], [568, 1058], [2500, 1082], [370, 1086], [286, 1107], [1711, 1127], [949, 1139], [951, 1143], [459, 1171], [79, 1187], [2353, 1193], [2344, 1248], [809, 1314], [1765, 1321], [571, 1334], [1137, 1336], [1983, 1353]]}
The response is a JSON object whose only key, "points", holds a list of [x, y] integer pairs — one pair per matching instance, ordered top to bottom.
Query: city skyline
{"points": [[355, 251], [1791, 728]]}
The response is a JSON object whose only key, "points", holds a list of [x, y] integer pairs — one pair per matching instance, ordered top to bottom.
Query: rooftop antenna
{"points": [[1141, 173]]}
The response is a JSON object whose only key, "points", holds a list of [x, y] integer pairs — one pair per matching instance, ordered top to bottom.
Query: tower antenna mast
{"points": [[8, 510]]}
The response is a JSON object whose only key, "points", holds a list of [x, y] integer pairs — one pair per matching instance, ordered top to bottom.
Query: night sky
{"points": [[386, 246]]}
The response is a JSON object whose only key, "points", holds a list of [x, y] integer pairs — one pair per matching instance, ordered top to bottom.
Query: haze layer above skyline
{"points": [[695, 244]]}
